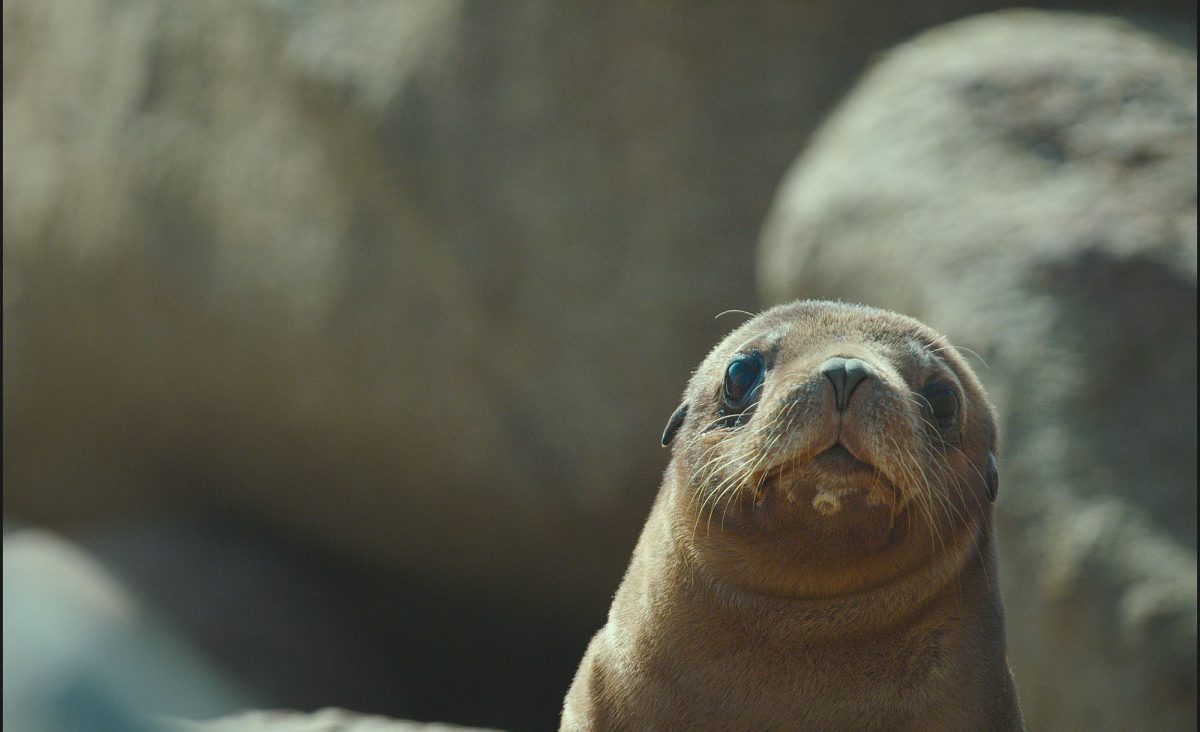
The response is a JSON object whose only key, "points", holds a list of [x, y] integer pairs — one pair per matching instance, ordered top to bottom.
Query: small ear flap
{"points": [[674, 423], [993, 478]]}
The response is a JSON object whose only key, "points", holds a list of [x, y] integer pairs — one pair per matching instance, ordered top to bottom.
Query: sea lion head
{"points": [[823, 448]]}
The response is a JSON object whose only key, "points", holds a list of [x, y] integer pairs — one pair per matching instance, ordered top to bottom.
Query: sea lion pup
{"points": [[819, 556]]}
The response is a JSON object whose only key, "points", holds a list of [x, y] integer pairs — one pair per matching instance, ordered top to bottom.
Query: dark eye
{"points": [[743, 374], [943, 404]]}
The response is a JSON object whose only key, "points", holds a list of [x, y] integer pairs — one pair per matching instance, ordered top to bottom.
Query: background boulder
{"points": [[1039, 206]]}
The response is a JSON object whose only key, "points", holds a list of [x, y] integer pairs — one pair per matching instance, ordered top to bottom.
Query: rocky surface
{"points": [[1026, 182], [325, 720]]}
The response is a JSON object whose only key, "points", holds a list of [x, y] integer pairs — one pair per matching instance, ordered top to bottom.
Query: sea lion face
{"points": [[825, 447]]}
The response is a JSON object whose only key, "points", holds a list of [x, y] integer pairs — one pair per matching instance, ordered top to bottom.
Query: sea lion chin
{"points": [[833, 506], [819, 556]]}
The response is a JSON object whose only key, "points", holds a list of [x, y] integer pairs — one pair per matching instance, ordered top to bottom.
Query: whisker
{"points": [[727, 312], [964, 349]]}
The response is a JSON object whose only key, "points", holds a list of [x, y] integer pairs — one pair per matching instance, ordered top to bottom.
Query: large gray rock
{"points": [[1026, 182]]}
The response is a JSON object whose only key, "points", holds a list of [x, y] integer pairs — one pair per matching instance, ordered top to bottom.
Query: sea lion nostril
{"points": [[835, 370], [857, 371], [845, 374]]}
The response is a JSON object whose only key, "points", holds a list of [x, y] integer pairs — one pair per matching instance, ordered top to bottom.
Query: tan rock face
{"points": [[1026, 182], [225, 297]]}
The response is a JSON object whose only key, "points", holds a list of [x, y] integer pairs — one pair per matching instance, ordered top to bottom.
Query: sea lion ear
{"points": [[674, 423], [993, 477]]}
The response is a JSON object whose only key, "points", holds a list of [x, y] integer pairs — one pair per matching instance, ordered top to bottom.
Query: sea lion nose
{"points": [[845, 374]]}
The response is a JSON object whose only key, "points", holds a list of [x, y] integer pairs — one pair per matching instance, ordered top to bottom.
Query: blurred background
{"points": [[338, 336]]}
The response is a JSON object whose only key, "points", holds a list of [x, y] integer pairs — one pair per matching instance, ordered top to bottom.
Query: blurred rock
{"points": [[1026, 182], [419, 279], [227, 301], [306, 630], [82, 655], [325, 720]]}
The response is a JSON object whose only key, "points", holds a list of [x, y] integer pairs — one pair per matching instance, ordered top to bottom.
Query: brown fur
{"points": [[781, 586]]}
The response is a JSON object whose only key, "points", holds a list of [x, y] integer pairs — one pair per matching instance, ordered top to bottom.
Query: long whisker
{"points": [[734, 310], [964, 349], [764, 454], [952, 480]]}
